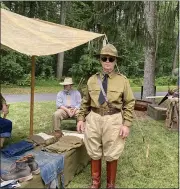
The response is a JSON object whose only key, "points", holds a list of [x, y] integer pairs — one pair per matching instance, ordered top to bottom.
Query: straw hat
{"points": [[109, 49], [67, 81]]}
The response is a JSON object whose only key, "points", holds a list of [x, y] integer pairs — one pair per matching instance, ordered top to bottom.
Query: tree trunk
{"points": [[10, 5], [32, 5], [16, 7], [24, 8], [150, 48], [175, 55], [60, 59]]}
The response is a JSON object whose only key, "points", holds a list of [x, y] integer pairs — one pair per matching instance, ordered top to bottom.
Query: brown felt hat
{"points": [[110, 50]]}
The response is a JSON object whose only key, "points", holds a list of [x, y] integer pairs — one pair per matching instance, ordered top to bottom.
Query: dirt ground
{"points": [[141, 115]]}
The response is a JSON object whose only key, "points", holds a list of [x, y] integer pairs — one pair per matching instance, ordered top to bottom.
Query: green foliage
{"points": [[3, 6], [80, 15], [123, 23], [71, 57], [131, 61], [44, 66], [16, 67], [86, 67], [10, 70], [25, 80], [166, 80], [160, 81], [46, 82], [137, 82]]}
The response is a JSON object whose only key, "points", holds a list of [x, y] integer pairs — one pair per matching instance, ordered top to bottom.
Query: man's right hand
{"points": [[70, 112], [80, 127]]}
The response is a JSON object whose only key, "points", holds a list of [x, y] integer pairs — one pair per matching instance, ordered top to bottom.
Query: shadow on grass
{"points": [[68, 125], [21, 135], [134, 171]]}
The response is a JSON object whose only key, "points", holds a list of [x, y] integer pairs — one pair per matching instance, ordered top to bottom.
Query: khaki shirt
{"points": [[119, 94]]}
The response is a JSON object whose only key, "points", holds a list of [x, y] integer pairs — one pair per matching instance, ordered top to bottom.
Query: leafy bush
{"points": [[44, 67], [86, 67], [10, 70], [166, 80], [25, 81], [160, 81], [46, 82], [137, 82]]}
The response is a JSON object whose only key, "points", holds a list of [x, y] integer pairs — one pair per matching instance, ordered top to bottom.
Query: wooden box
{"points": [[141, 105], [156, 112]]}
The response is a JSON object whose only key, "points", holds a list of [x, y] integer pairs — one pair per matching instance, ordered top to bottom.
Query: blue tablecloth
{"points": [[5, 127], [17, 149], [50, 164]]}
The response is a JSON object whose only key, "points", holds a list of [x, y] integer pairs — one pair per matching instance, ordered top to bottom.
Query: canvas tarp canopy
{"points": [[36, 37]]}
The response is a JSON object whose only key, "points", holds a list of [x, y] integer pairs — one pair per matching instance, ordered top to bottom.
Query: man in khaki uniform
{"points": [[107, 125]]}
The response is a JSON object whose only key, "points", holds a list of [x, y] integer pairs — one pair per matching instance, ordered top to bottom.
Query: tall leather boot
{"points": [[111, 168], [96, 173]]}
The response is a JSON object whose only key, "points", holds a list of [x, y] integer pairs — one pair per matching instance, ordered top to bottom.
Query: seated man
{"points": [[68, 103], [5, 124]]}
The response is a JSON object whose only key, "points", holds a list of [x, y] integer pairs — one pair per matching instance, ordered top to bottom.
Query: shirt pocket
{"points": [[94, 91], [115, 94]]}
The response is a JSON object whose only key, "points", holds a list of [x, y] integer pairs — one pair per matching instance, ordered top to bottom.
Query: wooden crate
{"points": [[141, 105], [156, 112]]}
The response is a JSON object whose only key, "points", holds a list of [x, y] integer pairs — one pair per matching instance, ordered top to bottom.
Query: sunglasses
{"points": [[111, 59]]}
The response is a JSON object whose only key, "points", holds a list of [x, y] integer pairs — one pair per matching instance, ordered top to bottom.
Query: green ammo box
{"points": [[156, 112]]}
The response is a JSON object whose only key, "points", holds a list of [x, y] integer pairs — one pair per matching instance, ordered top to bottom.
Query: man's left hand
{"points": [[73, 111], [124, 131]]}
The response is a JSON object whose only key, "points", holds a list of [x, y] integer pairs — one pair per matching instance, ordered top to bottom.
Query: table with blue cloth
{"points": [[75, 161], [50, 164], [66, 164]]}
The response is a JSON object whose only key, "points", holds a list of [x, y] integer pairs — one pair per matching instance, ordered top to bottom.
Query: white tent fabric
{"points": [[36, 37]]}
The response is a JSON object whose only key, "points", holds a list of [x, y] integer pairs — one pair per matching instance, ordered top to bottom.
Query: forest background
{"points": [[124, 24]]}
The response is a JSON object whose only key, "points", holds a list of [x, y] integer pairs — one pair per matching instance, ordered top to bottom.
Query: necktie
{"points": [[104, 84], [68, 100]]}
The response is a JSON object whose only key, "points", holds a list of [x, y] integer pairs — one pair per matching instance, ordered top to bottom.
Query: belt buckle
{"points": [[101, 112], [107, 112], [110, 112]]}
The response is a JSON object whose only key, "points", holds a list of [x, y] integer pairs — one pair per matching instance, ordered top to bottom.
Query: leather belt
{"points": [[104, 112]]}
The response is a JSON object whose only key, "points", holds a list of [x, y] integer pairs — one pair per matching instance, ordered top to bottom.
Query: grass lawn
{"points": [[54, 87], [158, 88], [159, 170]]}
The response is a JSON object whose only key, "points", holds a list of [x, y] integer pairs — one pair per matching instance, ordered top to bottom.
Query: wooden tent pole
{"points": [[32, 95]]}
